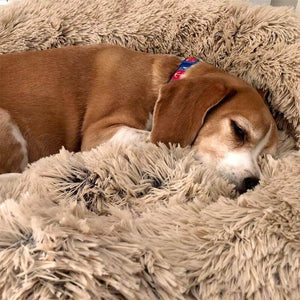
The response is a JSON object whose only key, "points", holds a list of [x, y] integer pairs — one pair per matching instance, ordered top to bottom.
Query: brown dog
{"points": [[80, 97]]}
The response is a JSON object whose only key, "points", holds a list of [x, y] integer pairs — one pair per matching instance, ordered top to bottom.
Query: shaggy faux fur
{"points": [[148, 222]]}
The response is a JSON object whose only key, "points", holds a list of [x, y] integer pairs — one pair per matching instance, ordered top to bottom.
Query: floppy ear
{"points": [[182, 106]]}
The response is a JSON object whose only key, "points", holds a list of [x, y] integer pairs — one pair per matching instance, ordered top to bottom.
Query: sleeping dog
{"points": [[81, 97]]}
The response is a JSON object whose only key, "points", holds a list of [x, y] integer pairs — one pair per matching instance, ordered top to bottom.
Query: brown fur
{"points": [[57, 96], [79, 97], [181, 108]]}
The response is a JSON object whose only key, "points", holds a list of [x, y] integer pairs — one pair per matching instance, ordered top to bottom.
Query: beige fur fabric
{"points": [[147, 222]]}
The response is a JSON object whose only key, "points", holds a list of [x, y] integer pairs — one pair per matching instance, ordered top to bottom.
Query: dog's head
{"points": [[222, 117]]}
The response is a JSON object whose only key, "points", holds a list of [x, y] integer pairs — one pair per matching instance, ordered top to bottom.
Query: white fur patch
{"points": [[149, 123], [128, 135], [20, 139], [239, 165]]}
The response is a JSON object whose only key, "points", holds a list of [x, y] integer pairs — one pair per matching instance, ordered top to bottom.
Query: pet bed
{"points": [[148, 222]]}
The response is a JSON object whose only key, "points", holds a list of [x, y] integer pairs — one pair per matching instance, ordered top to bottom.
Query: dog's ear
{"points": [[182, 106]]}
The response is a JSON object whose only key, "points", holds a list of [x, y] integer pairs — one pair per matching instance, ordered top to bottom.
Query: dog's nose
{"points": [[249, 183]]}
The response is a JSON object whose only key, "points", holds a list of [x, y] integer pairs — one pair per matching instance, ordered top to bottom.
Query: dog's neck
{"points": [[163, 67]]}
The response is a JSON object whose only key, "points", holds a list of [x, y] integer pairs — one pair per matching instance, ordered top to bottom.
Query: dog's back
{"points": [[26, 79]]}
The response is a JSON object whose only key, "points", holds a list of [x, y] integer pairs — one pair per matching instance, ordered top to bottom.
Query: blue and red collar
{"points": [[183, 67]]}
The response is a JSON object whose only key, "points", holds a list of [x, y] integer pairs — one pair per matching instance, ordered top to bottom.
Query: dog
{"points": [[80, 97]]}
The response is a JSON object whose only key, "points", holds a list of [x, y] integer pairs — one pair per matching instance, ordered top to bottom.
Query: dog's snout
{"points": [[248, 184]]}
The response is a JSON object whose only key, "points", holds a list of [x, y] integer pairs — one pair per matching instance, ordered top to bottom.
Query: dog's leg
{"points": [[121, 134]]}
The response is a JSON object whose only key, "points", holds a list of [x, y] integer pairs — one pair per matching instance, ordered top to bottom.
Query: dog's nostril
{"points": [[250, 182]]}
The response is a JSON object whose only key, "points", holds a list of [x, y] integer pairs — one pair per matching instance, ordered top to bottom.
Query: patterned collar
{"points": [[183, 67]]}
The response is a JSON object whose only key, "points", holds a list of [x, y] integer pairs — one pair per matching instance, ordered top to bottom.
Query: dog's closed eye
{"points": [[239, 132]]}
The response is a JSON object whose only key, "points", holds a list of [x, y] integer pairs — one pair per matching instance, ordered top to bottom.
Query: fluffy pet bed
{"points": [[147, 222]]}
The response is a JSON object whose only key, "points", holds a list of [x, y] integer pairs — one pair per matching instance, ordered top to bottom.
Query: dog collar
{"points": [[183, 67]]}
